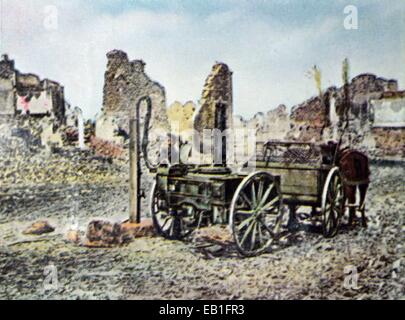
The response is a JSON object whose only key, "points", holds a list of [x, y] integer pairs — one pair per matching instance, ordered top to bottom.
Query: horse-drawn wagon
{"points": [[251, 201]]}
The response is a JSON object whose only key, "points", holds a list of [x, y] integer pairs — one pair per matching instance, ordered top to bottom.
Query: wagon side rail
{"points": [[291, 152]]}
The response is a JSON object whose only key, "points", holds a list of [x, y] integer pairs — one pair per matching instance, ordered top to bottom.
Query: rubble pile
{"points": [[21, 136], [389, 142], [106, 148], [67, 166], [103, 234], [308, 267]]}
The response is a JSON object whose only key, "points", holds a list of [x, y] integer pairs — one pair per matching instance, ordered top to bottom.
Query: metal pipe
{"points": [[135, 157]]}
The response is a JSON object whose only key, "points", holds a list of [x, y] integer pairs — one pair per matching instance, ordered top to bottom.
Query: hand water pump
{"points": [[135, 150]]}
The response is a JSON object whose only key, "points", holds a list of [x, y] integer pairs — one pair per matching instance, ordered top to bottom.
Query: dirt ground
{"points": [[357, 264]]}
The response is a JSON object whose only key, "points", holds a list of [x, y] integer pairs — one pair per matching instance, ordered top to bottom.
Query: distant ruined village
{"points": [[36, 111]]}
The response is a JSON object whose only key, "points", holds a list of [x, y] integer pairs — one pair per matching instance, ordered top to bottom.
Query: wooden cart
{"points": [[251, 202]]}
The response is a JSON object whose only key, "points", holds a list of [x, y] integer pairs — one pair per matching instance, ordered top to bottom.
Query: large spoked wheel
{"points": [[332, 203], [256, 214], [172, 224]]}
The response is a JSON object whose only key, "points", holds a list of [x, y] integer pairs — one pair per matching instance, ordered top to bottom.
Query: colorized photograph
{"points": [[190, 150]]}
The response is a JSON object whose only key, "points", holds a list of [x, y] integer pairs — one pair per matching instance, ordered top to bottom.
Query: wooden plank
{"points": [[298, 166], [301, 200]]}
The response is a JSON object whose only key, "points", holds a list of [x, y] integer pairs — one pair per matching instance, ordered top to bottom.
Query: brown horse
{"points": [[355, 171]]}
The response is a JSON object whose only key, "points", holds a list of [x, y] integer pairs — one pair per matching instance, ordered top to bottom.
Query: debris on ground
{"points": [[39, 228]]}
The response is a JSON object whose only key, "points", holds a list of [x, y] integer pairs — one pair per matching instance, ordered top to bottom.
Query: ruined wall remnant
{"points": [[125, 83], [7, 86], [27, 94], [217, 100], [389, 110], [181, 118], [308, 120], [312, 120], [276, 124], [273, 125], [376, 126], [107, 129], [389, 142]]}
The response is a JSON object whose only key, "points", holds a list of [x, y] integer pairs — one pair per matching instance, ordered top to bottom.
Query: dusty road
{"points": [[308, 267]]}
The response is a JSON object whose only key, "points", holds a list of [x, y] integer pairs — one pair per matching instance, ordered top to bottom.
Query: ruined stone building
{"points": [[125, 83], [27, 94], [216, 110], [376, 114], [215, 115], [321, 118], [318, 119], [388, 123]]}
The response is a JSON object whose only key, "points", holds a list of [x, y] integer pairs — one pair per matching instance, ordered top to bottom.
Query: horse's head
{"points": [[328, 151]]}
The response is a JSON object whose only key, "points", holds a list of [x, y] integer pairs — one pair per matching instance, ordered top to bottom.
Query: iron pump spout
{"points": [[135, 156]]}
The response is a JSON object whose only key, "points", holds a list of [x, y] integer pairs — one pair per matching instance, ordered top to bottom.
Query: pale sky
{"points": [[269, 45]]}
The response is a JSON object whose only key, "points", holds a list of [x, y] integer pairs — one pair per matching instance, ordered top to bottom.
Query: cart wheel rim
{"points": [[332, 203], [256, 213], [163, 221], [170, 224]]}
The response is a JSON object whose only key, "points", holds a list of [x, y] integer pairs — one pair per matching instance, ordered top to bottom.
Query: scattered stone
{"points": [[39, 228], [143, 229], [104, 234], [107, 234], [73, 236]]}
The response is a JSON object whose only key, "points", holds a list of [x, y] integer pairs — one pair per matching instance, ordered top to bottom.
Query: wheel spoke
{"points": [[260, 192], [266, 196], [246, 199], [254, 199], [270, 204], [337, 211], [244, 212], [331, 220], [165, 223], [244, 223], [266, 227], [171, 229], [248, 231], [253, 239]]}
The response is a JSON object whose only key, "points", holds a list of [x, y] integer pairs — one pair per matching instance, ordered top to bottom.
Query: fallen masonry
{"points": [[102, 234]]}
